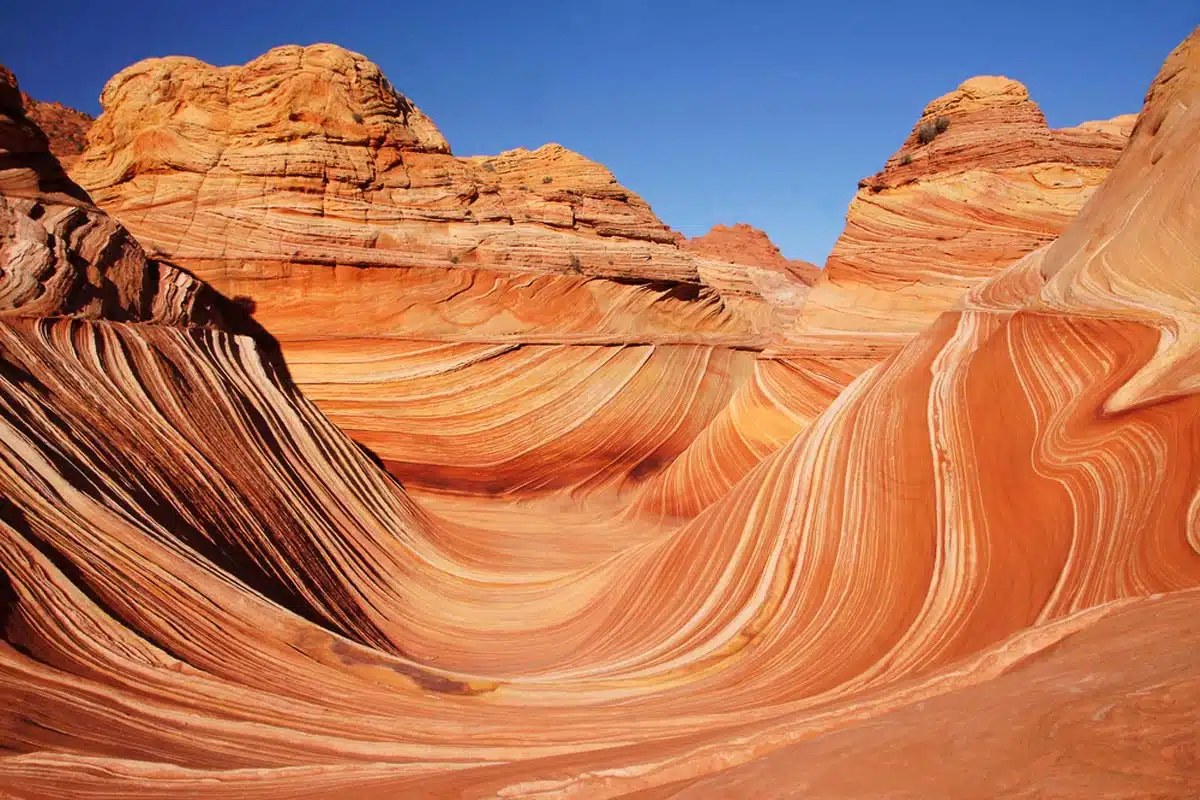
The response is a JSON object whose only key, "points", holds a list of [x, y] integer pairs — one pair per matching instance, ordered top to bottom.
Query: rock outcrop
{"points": [[65, 128], [309, 156], [304, 182], [991, 186], [952, 208], [745, 244], [61, 255], [783, 282], [989, 541]]}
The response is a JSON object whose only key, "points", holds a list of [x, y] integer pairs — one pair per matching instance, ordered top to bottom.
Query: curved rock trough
{"points": [[335, 465]]}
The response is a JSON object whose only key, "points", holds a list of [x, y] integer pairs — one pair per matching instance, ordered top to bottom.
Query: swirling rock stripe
{"points": [[498, 419], [910, 554], [209, 589]]}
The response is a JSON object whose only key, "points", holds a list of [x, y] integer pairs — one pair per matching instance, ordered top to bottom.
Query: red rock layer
{"points": [[65, 127], [315, 147], [993, 186], [945, 215], [745, 244], [210, 590], [991, 740]]}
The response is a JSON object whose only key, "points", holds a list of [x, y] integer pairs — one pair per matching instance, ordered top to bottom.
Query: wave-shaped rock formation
{"points": [[981, 182], [992, 184], [396, 275], [531, 287], [975, 571]]}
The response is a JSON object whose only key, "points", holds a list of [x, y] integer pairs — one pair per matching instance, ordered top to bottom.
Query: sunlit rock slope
{"points": [[974, 571]]}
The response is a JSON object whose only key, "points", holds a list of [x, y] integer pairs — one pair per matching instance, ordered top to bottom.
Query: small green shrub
{"points": [[357, 117], [927, 131], [905, 160], [489, 166], [547, 179], [454, 259], [575, 265]]}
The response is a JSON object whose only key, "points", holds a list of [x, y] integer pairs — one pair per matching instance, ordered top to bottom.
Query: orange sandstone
{"points": [[988, 541]]}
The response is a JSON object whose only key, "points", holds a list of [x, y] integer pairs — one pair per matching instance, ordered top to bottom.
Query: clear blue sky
{"points": [[759, 112]]}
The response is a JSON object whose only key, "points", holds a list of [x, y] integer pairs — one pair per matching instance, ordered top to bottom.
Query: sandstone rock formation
{"points": [[65, 127], [308, 156], [304, 182], [992, 187], [942, 216], [742, 243], [352, 249], [60, 255], [782, 281], [989, 541]]}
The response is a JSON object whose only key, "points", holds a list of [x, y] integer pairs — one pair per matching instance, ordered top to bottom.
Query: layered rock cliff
{"points": [[308, 156], [980, 182], [305, 183], [63, 256], [989, 542]]}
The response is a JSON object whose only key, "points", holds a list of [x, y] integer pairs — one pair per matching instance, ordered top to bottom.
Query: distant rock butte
{"points": [[65, 127], [742, 243]]}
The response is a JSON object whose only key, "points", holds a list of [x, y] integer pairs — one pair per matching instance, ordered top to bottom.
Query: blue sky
{"points": [[759, 112]]}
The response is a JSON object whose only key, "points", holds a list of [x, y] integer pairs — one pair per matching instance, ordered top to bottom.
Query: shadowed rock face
{"points": [[65, 128], [61, 255], [975, 571]]}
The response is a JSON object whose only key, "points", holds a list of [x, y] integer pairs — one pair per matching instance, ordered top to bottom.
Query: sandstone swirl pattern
{"points": [[303, 184], [943, 216], [398, 278], [209, 589]]}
